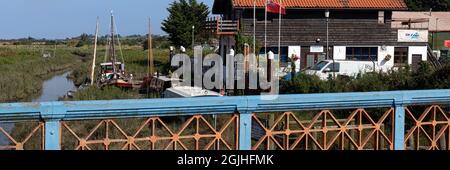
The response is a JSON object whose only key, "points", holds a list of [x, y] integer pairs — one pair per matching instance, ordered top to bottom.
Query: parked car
{"points": [[327, 68]]}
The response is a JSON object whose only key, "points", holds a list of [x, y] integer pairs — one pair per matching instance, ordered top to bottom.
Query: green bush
{"points": [[425, 77], [303, 83]]}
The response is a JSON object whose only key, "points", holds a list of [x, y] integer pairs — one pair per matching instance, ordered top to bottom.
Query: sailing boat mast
{"points": [[112, 48], [150, 49], [95, 53]]}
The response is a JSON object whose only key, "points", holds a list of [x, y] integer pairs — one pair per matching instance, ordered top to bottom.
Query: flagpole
{"points": [[254, 27], [265, 30], [279, 31]]}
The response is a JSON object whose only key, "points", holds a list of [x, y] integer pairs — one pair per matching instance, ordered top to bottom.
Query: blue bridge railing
{"points": [[395, 120]]}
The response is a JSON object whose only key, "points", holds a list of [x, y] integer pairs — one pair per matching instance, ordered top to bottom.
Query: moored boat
{"points": [[113, 72]]}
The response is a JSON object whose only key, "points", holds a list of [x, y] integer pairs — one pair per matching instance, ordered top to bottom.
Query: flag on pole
{"points": [[274, 7], [447, 43]]}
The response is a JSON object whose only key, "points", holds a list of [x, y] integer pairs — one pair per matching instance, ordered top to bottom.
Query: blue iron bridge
{"points": [[394, 120]]}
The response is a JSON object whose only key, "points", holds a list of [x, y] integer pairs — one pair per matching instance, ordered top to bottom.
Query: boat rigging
{"points": [[112, 71]]}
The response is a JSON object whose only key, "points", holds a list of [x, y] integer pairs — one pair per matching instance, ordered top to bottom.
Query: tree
{"points": [[425, 5], [184, 14], [84, 40]]}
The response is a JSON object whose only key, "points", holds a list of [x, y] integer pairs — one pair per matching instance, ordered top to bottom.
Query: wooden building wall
{"points": [[304, 27]]}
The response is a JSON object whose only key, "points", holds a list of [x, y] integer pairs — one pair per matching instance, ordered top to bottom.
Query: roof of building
{"points": [[326, 4], [443, 19], [109, 63], [187, 91]]}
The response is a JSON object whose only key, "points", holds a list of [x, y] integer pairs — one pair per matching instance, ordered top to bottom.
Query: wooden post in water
{"points": [[95, 54]]}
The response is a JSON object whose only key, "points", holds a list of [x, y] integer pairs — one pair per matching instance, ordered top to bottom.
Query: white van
{"points": [[326, 68]]}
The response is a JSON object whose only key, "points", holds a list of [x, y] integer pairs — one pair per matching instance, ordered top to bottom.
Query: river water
{"points": [[53, 89]]}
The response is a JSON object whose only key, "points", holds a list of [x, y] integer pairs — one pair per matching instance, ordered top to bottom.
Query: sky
{"points": [[58, 19]]}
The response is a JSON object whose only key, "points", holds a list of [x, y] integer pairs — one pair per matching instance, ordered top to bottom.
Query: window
{"points": [[380, 17], [362, 53], [284, 55], [400, 56], [319, 66], [107, 67], [335, 68]]}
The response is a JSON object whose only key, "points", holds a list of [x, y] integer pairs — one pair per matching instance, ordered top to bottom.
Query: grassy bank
{"points": [[24, 68]]}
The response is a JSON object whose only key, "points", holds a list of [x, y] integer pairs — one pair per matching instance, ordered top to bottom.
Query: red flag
{"points": [[274, 7], [447, 43]]}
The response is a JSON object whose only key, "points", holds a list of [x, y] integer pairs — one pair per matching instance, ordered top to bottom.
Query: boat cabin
{"points": [[108, 67]]}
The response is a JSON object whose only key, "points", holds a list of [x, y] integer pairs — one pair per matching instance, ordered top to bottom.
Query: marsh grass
{"points": [[23, 69], [106, 93]]}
